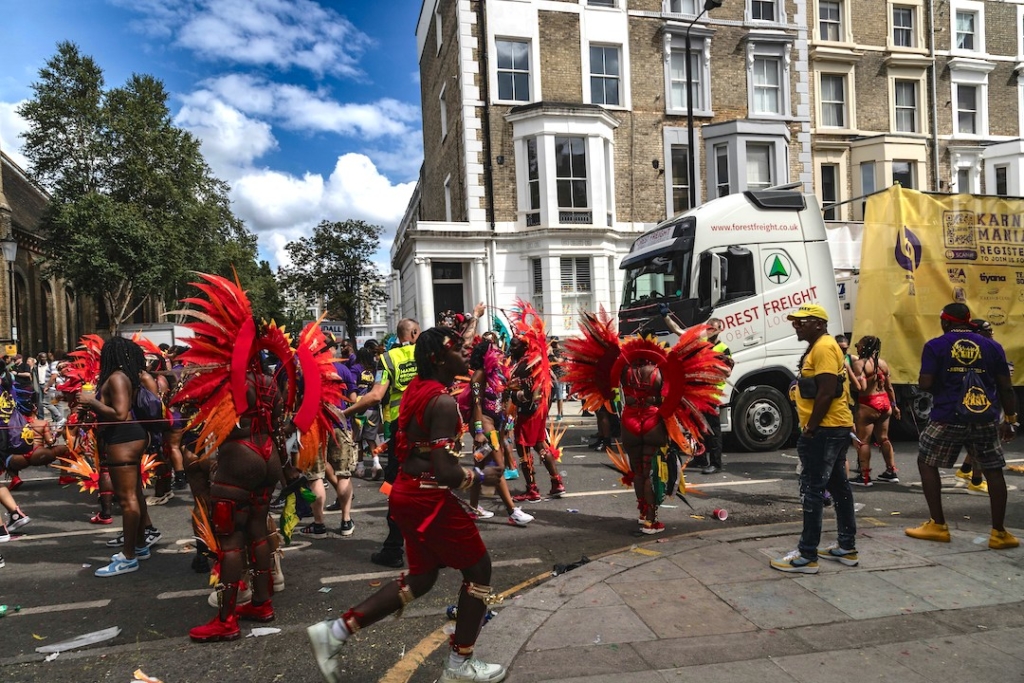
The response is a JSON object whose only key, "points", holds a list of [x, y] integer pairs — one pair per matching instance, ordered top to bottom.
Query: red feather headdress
{"points": [[529, 326], [589, 360], [322, 390]]}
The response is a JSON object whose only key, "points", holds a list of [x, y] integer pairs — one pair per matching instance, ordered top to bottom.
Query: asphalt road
{"points": [[50, 565]]}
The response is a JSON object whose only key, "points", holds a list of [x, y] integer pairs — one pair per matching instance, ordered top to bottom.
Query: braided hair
{"points": [[430, 345], [870, 347], [121, 353], [476, 359]]}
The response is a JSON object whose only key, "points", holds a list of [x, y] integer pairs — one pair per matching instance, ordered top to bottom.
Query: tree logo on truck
{"points": [[908, 250], [777, 268]]}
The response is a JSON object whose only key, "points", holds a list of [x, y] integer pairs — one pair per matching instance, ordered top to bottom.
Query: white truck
{"points": [[748, 259]]}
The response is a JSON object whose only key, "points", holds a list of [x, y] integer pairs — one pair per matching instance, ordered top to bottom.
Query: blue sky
{"points": [[309, 109]]}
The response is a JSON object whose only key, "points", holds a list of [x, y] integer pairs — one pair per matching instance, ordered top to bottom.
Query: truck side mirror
{"points": [[709, 286]]}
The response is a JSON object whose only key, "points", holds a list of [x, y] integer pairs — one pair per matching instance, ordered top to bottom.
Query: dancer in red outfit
{"points": [[664, 393], [437, 529]]}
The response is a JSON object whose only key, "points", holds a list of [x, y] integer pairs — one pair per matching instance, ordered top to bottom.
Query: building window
{"points": [[601, 3], [682, 6], [762, 10], [829, 25], [903, 26], [437, 29], [966, 30], [513, 70], [604, 75], [677, 80], [767, 85], [905, 94], [833, 101], [966, 109], [444, 112], [759, 166], [722, 170], [903, 173], [571, 180], [680, 180], [963, 180], [533, 182], [867, 183], [1001, 186], [830, 191], [448, 199], [537, 271], [576, 288]]}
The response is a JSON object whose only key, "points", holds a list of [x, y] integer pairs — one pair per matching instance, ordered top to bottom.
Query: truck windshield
{"points": [[662, 277]]}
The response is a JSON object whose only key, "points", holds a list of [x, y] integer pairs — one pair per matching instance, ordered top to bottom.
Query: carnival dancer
{"points": [[529, 387], [666, 392], [877, 400], [479, 404], [122, 441], [36, 444], [437, 529]]}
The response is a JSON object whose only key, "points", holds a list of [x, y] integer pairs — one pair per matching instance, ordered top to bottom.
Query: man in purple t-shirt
{"points": [[967, 374]]}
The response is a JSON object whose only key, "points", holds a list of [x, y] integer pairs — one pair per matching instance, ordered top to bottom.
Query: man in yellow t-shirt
{"points": [[823, 408]]}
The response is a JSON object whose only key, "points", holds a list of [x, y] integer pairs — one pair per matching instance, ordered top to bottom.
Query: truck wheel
{"points": [[916, 406], [762, 419]]}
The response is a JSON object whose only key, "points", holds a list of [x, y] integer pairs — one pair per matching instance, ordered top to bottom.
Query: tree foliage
{"points": [[135, 209], [334, 263]]}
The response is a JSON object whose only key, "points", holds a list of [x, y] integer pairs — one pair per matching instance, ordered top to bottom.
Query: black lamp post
{"points": [[691, 164]]}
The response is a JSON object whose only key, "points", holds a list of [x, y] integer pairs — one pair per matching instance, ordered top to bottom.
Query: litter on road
{"points": [[81, 641]]}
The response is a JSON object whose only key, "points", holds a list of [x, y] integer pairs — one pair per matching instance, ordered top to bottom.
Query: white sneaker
{"points": [[482, 514], [519, 518], [5, 535], [244, 595], [325, 648], [474, 670]]}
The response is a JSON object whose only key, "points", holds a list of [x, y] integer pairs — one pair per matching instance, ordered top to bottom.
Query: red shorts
{"points": [[879, 402], [640, 419], [531, 431], [437, 530]]}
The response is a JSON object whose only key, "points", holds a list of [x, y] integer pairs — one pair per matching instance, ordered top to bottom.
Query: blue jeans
{"points": [[823, 457]]}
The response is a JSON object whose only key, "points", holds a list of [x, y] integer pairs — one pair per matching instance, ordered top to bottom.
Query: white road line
{"points": [[698, 487], [62, 534], [347, 578], [184, 594], [64, 607]]}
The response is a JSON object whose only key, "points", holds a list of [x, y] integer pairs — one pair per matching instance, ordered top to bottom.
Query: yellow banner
{"points": [[921, 252]]}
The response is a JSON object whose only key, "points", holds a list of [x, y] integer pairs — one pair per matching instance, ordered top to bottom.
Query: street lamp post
{"points": [[691, 164], [9, 246]]}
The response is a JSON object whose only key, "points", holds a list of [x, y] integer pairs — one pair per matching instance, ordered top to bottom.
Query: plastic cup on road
{"points": [[720, 514]]}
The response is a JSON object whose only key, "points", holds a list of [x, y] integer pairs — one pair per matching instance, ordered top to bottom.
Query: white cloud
{"points": [[280, 33], [12, 125], [231, 140]]}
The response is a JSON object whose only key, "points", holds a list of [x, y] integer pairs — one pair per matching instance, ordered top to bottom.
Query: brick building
{"points": [[555, 131]]}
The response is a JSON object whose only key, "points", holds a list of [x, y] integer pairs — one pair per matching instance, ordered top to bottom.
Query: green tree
{"points": [[135, 209], [334, 263]]}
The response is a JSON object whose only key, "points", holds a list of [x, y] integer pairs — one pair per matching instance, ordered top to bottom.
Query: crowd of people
{"points": [[287, 415]]}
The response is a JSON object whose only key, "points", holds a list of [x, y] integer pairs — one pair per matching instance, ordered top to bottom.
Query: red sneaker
{"points": [[64, 480], [16, 483], [557, 488], [532, 495], [98, 518], [652, 527], [253, 612], [216, 630]]}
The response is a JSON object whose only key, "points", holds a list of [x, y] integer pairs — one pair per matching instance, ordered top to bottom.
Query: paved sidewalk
{"points": [[707, 607]]}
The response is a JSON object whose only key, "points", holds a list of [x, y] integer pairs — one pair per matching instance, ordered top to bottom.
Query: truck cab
{"points": [[747, 259]]}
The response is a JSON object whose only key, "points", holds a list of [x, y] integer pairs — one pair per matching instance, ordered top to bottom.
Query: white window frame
{"points": [[605, 4], [971, 7], [688, 8], [780, 11], [841, 22], [438, 29], [916, 31], [700, 51], [781, 52], [530, 70], [847, 72], [970, 72], [619, 77], [918, 84], [960, 89], [845, 102], [443, 105], [677, 137], [734, 138], [722, 152], [1005, 168], [773, 171], [914, 172], [587, 179], [448, 198], [837, 214], [576, 295]]}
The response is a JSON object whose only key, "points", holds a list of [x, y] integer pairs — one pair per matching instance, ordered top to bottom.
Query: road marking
{"points": [[695, 487], [62, 534], [347, 578], [184, 594], [63, 607]]}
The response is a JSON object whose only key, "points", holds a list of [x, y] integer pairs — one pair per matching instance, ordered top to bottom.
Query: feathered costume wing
{"points": [[529, 326], [224, 349], [589, 360], [84, 367], [691, 378], [321, 389]]}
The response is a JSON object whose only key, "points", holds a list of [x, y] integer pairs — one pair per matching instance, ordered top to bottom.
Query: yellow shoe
{"points": [[960, 474], [979, 490], [930, 531], [1001, 540]]}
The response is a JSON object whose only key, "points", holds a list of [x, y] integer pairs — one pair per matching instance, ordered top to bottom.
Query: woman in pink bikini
{"points": [[877, 403]]}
